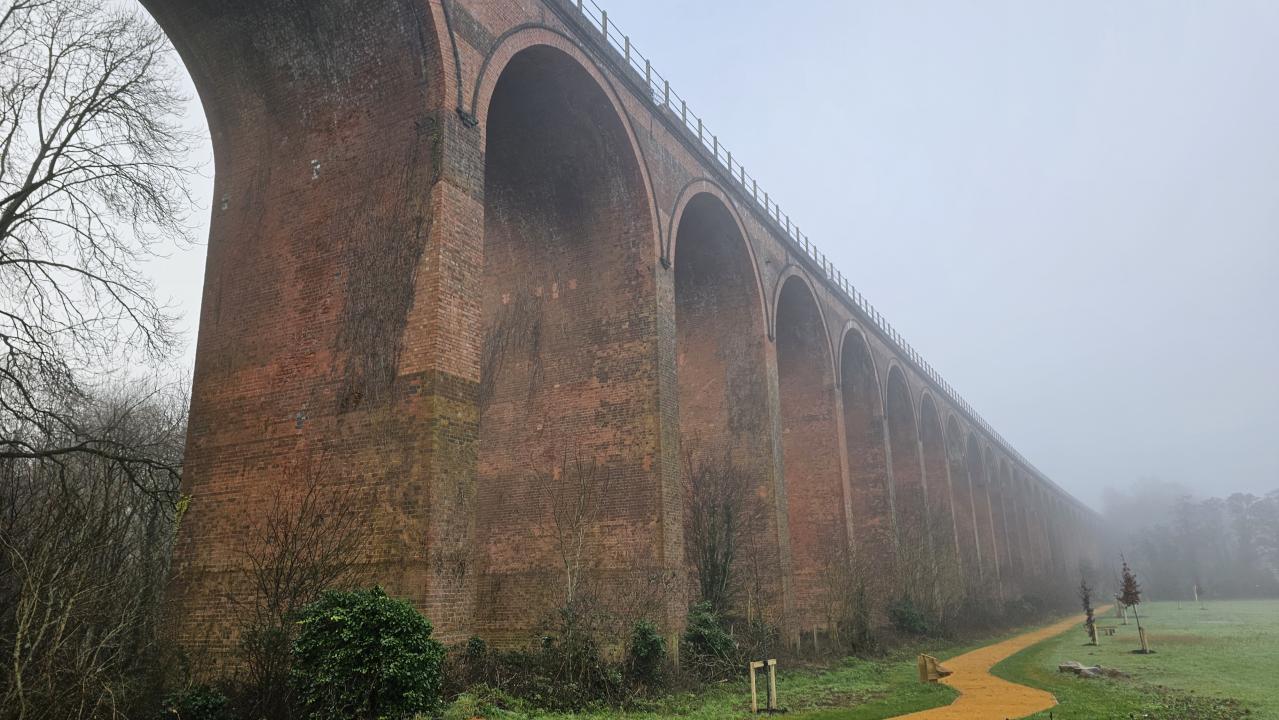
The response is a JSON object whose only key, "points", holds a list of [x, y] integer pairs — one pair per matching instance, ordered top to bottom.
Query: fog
{"points": [[1070, 208]]}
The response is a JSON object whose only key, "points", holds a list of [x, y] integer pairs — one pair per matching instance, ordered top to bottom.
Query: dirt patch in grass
{"points": [[1180, 705]]}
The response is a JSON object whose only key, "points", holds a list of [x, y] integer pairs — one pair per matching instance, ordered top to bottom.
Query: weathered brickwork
{"points": [[457, 243]]}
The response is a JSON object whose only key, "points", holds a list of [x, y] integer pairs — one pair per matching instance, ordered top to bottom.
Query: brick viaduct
{"points": [[404, 188]]}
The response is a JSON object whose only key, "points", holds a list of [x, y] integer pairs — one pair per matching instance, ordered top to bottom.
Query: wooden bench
{"points": [[930, 671]]}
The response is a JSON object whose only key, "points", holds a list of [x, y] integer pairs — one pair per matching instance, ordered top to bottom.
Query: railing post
{"points": [[580, 7], [604, 25], [628, 50], [648, 74], [667, 99], [683, 111], [699, 129], [730, 163]]}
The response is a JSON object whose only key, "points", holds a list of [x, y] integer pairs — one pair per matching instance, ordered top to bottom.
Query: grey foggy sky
{"points": [[1070, 208]]}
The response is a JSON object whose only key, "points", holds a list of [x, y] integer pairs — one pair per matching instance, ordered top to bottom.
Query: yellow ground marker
{"points": [[983, 696]]}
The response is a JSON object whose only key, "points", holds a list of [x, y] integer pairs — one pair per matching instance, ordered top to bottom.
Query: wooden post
{"points": [[1092, 633], [1145, 644], [772, 685], [754, 696]]}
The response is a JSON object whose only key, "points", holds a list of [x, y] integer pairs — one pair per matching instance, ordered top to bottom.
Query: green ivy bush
{"points": [[907, 618], [708, 647], [364, 655], [646, 655], [198, 702]]}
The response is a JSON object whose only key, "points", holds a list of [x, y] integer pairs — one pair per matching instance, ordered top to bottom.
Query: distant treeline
{"points": [[1227, 547]]}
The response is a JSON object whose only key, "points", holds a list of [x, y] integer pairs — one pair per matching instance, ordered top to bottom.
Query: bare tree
{"points": [[91, 185], [573, 490], [723, 513], [308, 541], [84, 552]]}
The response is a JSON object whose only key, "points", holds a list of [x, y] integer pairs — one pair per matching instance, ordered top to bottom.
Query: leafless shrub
{"points": [[573, 490], [723, 516], [308, 541], [84, 554]]}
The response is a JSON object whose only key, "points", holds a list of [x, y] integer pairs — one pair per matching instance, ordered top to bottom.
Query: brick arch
{"points": [[528, 36], [705, 186], [793, 272], [566, 320], [723, 380], [975, 462], [812, 477], [994, 492], [910, 494], [983, 494], [871, 500], [941, 503], [1026, 519], [1013, 539], [970, 549]]}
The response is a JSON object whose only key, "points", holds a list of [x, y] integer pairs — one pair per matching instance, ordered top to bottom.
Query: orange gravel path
{"points": [[983, 696]]}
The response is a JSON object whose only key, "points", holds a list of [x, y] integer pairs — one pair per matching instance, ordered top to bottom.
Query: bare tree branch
{"points": [[92, 184]]}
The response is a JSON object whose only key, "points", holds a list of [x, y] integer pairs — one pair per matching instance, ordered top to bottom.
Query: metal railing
{"points": [[668, 101]]}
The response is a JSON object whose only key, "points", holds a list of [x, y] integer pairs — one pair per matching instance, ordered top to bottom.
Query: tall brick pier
{"points": [[454, 241]]}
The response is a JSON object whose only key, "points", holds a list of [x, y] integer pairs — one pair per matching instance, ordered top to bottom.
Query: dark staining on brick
{"points": [[470, 30], [381, 277]]}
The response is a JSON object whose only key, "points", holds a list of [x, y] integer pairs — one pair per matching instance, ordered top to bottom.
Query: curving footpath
{"points": [[983, 696]]}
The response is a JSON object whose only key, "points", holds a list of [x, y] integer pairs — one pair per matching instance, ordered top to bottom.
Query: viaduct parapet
{"points": [[459, 247]]}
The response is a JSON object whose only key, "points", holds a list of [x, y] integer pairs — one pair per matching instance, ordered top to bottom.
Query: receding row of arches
{"points": [[841, 470]]}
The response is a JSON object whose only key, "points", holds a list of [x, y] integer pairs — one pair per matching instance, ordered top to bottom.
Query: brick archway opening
{"points": [[568, 324], [725, 426], [810, 451], [981, 509], [941, 511], [965, 511], [873, 525], [1012, 527], [914, 547]]}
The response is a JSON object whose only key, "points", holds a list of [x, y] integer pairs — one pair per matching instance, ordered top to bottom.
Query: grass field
{"points": [[1221, 662], [855, 689]]}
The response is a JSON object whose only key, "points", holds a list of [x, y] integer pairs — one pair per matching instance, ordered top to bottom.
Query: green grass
{"points": [[1218, 663], [853, 689]]}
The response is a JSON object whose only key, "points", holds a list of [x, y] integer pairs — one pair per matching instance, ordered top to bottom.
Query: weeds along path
{"points": [[983, 696]]}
